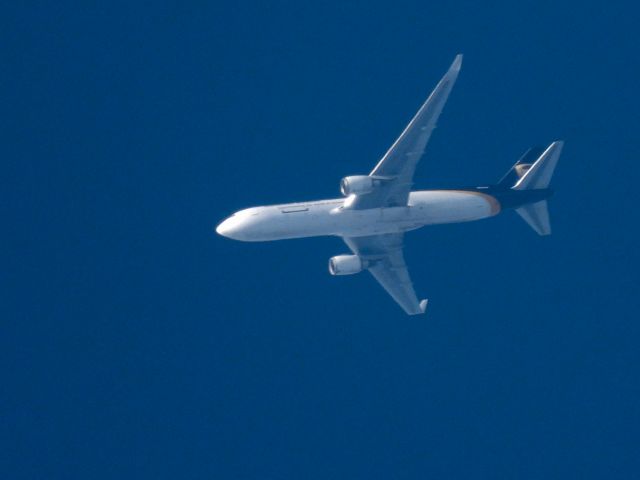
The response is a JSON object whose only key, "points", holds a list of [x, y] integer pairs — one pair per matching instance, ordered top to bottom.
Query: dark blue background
{"points": [[136, 343]]}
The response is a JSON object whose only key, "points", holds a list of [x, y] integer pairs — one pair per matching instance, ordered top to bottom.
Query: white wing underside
{"points": [[398, 165], [396, 169], [384, 252]]}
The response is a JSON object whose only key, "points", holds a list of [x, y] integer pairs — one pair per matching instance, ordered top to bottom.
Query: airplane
{"points": [[377, 209]]}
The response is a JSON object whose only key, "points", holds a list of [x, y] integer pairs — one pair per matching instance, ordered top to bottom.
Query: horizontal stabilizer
{"points": [[537, 216]]}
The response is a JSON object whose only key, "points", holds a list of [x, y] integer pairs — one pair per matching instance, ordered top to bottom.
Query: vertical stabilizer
{"points": [[516, 172], [533, 172], [540, 173], [537, 216]]}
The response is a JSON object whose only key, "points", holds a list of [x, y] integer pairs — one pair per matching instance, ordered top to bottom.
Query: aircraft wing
{"points": [[396, 168], [388, 267]]}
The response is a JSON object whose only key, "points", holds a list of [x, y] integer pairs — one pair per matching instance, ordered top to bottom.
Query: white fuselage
{"points": [[330, 217]]}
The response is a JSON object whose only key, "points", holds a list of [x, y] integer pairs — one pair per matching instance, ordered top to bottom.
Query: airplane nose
{"points": [[232, 227], [224, 228]]}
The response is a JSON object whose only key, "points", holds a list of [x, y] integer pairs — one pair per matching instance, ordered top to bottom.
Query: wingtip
{"points": [[457, 62], [423, 305]]}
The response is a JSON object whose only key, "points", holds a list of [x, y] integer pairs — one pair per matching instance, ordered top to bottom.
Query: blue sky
{"points": [[138, 344]]}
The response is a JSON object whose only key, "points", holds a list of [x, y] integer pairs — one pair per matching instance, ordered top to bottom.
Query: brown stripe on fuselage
{"points": [[493, 201]]}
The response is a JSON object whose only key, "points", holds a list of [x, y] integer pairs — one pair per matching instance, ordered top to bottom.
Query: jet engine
{"points": [[356, 184], [346, 265]]}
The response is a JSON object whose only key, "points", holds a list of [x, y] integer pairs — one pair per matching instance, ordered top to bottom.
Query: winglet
{"points": [[423, 305]]}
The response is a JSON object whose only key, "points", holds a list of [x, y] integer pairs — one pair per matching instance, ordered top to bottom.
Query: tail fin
{"points": [[520, 167], [533, 172], [539, 174]]}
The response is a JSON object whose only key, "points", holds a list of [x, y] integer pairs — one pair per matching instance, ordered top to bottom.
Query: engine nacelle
{"points": [[357, 185], [346, 265]]}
